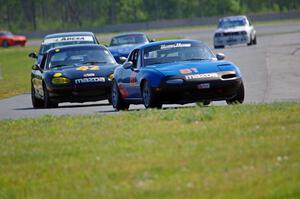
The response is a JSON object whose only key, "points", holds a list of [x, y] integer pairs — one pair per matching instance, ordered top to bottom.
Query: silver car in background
{"points": [[234, 30]]}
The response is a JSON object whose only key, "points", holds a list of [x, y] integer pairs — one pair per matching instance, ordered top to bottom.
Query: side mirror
{"points": [[152, 40], [33, 55], [220, 56], [123, 59], [128, 65], [37, 67]]}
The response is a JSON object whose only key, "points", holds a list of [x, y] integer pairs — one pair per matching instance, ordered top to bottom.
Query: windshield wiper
{"points": [[193, 59], [94, 62]]}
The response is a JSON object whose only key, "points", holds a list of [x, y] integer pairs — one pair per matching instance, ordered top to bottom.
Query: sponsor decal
{"points": [[68, 39], [177, 45], [85, 68], [188, 71], [89, 75], [201, 76], [132, 79], [89, 80], [203, 86]]}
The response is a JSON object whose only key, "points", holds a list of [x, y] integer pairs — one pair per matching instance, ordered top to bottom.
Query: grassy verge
{"points": [[15, 69], [249, 151]]}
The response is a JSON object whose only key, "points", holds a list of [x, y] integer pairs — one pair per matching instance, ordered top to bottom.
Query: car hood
{"points": [[234, 29], [19, 38], [125, 49], [179, 68], [81, 71]]}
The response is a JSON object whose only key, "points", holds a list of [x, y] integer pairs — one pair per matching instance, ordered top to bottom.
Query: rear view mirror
{"points": [[33, 55], [220, 56], [122, 59], [128, 65]]}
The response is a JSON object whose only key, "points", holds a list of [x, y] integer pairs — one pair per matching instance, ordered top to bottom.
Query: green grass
{"points": [[15, 67], [248, 151]]}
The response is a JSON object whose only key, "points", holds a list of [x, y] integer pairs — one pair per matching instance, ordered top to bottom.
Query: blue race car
{"points": [[122, 44], [177, 71], [75, 73]]}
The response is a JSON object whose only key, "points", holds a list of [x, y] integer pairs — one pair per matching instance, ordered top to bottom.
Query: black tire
{"points": [[254, 40], [250, 42], [5, 44], [218, 47], [149, 97], [239, 98], [116, 100], [36, 103], [48, 103]]}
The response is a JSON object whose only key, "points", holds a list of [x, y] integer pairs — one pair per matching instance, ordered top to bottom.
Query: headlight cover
{"points": [[110, 77], [60, 80], [174, 81]]}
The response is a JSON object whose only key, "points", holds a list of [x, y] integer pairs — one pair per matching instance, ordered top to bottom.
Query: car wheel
{"points": [[254, 40], [250, 42], [5, 44], [218, 47], [149, 98], [239, 98], [116, 99], [36, 103], [48, 103]]}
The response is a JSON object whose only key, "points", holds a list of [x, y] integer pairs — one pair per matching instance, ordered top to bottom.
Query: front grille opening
{"points": [[228, 76]]}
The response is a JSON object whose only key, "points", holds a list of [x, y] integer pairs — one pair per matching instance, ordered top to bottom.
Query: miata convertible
{"points": [[175, 72], [76, 73]]}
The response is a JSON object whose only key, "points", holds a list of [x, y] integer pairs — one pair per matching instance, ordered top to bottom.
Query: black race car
{"points": [[62, 39], [76, 73]]}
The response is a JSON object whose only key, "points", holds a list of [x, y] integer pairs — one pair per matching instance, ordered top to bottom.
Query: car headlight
{"points": [[244, 32], [218, 35], [110, 77], [60, 80], [174, 81]]}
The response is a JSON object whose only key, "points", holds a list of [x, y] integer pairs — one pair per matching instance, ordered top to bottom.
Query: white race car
{"points": [[234, 30]]}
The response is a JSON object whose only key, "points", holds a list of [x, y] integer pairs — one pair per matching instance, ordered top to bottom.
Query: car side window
{"points": [[134, 58]]}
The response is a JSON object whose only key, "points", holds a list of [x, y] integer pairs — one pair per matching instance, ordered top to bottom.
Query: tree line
{"points": [[41, 15]]}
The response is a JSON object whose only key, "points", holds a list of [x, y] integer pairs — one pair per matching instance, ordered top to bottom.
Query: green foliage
{"points": [[42, 15], [15, 66], [242, 151]]}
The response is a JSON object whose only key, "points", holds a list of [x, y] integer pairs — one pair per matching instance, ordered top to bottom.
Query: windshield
{"points": [[231, 23], [6, 34], [128, 39], [64, 41], [176, 52], [80, 56]]}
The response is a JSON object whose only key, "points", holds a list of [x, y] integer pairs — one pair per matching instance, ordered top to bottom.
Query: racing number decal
{"points": [[84, 68], [188, 71]]}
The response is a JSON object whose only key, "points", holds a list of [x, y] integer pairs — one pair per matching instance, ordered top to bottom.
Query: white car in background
{"points": [[234, 30]]}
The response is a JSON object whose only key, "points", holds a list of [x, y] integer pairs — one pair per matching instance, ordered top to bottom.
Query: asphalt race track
{"points": [[271, 71]]}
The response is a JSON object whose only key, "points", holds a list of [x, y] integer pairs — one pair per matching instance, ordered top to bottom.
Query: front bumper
{"points": [[231, 40], [188, 92], [80, 93]]}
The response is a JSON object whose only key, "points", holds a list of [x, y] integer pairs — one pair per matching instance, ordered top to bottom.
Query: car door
{"points": [[37, 77], [130, 82]]}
